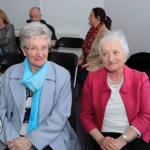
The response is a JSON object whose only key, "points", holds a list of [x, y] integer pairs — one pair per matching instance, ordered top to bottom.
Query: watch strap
{"points": [[125, 138]]}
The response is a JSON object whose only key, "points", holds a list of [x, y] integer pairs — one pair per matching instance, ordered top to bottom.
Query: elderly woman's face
{"points": [[36, 51], [113, 56]]}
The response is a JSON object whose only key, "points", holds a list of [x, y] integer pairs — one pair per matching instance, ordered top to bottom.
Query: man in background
{"points": [[35, 15]]}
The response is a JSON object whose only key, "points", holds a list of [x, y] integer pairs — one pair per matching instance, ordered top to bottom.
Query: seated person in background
{"points": [[35, 16], [7, 35], [90, 55], [35, 99], [115, 106]]}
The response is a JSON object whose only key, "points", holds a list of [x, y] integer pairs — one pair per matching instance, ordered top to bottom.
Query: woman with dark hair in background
{"points": [[7, 35], [90, 59]]}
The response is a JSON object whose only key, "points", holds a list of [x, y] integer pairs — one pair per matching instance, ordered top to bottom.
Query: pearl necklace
{"points": [[115, 84]]}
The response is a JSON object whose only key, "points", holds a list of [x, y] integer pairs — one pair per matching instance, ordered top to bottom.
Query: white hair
{"points": [[34, 29], [111, 36]]}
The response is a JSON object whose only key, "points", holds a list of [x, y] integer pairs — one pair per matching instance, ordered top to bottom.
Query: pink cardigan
{"points": [[135, 93]]}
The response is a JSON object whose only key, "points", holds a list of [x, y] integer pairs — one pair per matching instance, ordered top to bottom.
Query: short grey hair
{"points": [[36, 8], [34, 29], [111, 36]]}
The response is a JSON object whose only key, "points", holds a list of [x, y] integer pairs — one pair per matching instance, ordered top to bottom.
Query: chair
{"points": [[18, 43], [71, 43], [9, 59], [68, 61], [140, 61], [88, 142]]}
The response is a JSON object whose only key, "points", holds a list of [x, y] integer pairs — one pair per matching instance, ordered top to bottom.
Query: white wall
{"points": [[18, 10], [67, 16], [70, 17], [133, 17]]}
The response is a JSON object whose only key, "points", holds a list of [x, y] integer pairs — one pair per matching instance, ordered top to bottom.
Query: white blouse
{"points": [[115, 107]]}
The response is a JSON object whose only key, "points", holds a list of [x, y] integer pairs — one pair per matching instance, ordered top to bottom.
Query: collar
{"points": [[42, 21], [18, 72], [128, 79]]}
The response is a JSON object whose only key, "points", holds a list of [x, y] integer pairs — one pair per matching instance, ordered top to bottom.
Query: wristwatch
{"points": [[125, 138]]}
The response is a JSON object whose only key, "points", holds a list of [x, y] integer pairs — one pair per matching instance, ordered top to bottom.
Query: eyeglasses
{"points": [[35, 49]]}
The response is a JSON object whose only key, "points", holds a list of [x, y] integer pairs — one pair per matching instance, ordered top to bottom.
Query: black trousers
{"points": [[81, 76], [136, 144], [46, 148]]}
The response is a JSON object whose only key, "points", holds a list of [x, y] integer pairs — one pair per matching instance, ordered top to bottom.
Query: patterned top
{"points": [[7, 39], [89, 39], [29, 96]]}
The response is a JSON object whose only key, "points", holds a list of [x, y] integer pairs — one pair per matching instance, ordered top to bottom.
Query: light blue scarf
{"points": [[34, 82]]}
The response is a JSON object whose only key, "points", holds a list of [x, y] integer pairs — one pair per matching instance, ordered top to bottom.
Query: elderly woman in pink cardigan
{"points": [[115, 107]]}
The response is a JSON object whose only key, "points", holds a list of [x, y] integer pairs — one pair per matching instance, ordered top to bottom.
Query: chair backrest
{"points": [[70, 42], [18, 43], [10, 59], [66, 60], [140, 61]]}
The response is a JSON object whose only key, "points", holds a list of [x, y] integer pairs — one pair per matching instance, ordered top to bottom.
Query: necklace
{"points": [[115, 84]]}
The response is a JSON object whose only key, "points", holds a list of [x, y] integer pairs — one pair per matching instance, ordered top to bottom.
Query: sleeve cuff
{"points": [[139, 134]]}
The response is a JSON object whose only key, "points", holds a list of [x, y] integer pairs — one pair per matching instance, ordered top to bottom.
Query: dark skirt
{"points": [[82, 75], [136, 144]]}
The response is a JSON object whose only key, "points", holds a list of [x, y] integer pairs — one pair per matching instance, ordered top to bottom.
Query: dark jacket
{"points": [[52, 30], [7, 39]]}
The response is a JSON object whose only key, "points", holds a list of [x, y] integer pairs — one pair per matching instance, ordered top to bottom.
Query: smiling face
{"points": [[93, 20], [113, 56], [39, 57]]}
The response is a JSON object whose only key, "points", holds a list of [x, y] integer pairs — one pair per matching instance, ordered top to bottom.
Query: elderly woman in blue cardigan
{"points": [[35, 99]]}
